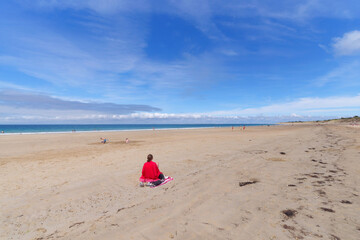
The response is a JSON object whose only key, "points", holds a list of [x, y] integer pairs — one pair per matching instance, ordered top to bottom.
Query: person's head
{"points": [[149, 157]]}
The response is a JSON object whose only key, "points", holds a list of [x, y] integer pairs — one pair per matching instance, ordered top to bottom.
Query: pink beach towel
{"points": [[144, 180]]}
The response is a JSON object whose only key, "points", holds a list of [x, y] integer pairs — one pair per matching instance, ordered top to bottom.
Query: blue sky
{"points": [[179, 61]]}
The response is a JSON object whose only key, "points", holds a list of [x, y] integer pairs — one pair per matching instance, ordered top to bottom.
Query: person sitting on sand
{"points": [[103, 140], [126, 140], [151, 171]]}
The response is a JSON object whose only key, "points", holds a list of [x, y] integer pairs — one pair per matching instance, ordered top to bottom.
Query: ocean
{"points": [[64, 128]]}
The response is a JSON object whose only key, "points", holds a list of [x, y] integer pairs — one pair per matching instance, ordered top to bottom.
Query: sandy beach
{"points": [[266, 182]]}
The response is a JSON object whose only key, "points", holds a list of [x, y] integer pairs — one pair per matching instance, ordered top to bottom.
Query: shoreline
{"points": [[131, 130]]}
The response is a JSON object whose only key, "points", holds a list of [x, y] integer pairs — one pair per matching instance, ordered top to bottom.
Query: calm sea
{"points": [[63, 128]]}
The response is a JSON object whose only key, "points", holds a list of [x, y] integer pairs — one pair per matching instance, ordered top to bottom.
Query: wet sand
{"points": [[277, 182]]}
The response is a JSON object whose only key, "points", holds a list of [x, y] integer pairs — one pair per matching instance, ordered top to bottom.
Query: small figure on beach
{"points": [[244, 127], [232, 128], [2, 131], [103, 140], [126, 140], [151, 173]]}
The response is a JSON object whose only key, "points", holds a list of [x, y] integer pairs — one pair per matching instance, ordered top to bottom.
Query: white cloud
{"points": [[349, 44], [20, 101], [299, 109], [145, 118]]}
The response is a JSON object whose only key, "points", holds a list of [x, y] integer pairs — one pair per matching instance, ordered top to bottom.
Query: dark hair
{"points": [[149, 157]]}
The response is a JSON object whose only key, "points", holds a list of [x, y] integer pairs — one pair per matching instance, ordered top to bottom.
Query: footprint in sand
{"points": [[241, 184], [321, 192], [327, 209], [289, 213], [75, 224], [288, 227], [333, 237]]}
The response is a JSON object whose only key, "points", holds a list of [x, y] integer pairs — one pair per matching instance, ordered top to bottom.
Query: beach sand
{"points": [[276, 182]]}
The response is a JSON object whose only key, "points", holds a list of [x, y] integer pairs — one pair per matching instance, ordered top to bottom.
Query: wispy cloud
{"points": [[107, 7], [305, 10], [53, 57], [112, 58], [346, 74], [302, 106]]}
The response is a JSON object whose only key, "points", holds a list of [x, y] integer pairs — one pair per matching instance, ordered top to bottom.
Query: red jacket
{"points": [[150, 170]]}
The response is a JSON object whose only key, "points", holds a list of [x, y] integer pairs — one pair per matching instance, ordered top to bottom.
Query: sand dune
{"points": [[277, 182]]}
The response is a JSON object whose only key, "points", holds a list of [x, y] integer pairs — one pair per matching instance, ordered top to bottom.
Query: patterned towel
{"points": [[168, 179]]}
